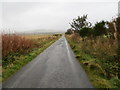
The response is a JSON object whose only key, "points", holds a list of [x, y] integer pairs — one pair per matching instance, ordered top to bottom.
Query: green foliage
{"points": [[80, 23], [118, 24], [83, 27], [100, 28], [69, 31], [85, 32], [57, 35], [96, 50], [118, 50], [118, 58], [9, 59], [111, 67], [103, 72], [100, 82], [116, 82]]}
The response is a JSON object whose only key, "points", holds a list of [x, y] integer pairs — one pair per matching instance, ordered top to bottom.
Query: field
{"points": [[18, 50], [98, 58]]}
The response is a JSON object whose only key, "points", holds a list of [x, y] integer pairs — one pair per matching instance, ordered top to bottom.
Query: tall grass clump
{"points": [[12, 45], [16, 45]]}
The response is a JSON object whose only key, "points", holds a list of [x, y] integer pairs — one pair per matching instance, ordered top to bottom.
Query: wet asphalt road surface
{"points": [[55, 67]]}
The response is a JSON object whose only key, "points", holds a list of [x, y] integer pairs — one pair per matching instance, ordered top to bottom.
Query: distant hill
{"points": [[40, 32]]}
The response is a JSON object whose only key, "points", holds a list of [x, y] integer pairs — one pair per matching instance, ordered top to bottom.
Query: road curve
{"points": [[56, 67]]}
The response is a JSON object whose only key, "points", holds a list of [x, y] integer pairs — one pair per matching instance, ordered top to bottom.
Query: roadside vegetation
{"points": [[97, 47], [18, 50], [0, 59]]}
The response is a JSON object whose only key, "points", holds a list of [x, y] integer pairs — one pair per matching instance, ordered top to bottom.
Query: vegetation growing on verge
{"points": [[18, 50], [98, 50]]}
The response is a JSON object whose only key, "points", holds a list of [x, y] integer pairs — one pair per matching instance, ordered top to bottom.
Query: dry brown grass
{"points": [[35, 37], [40, 39], [15, 43], [22, 43], [99, 47]]}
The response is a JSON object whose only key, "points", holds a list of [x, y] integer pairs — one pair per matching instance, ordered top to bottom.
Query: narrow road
{"points": [[56, 67]]}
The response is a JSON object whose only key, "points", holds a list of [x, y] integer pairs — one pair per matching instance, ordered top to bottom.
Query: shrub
{"points": [[100, 28], [69, 31], [85, 32], [57, 34], [116, 82]]}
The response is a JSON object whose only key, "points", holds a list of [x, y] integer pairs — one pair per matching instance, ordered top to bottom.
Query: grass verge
{"points": [[93, 68]]}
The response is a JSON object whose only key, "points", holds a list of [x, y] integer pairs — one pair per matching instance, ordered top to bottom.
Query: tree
{"points": [[80, 22], [118, 25], [100, 28], [69, 31], [85, 32]]}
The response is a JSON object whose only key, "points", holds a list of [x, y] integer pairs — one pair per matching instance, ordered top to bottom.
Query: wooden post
{"points": [[115, 33]]}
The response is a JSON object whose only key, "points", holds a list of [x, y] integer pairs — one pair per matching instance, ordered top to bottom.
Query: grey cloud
{"points": [[53, 16]]}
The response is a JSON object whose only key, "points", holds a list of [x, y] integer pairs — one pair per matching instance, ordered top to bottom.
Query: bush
{"points": [[100, 28], [69, 31], [85, 32], [57, 35], [111, 67], [116, 82]]}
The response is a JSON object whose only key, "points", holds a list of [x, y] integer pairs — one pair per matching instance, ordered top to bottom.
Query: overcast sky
{"points": [[53, 15]]}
